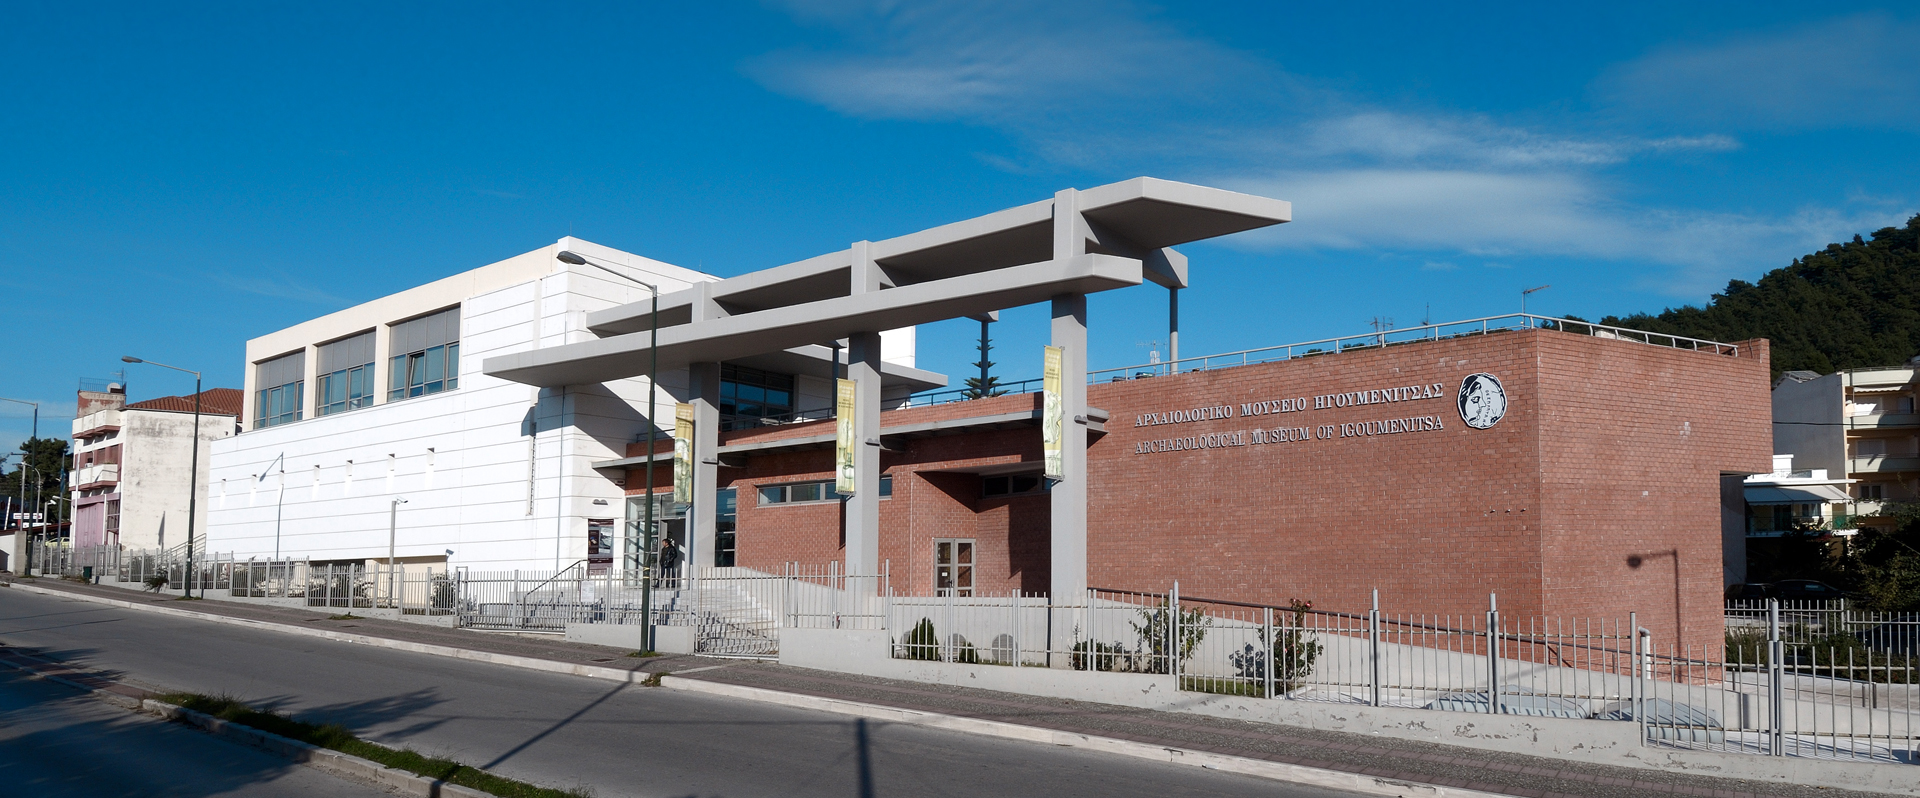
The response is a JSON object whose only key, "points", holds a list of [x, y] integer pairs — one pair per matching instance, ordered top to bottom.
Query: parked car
{"points": [[1807, 590], [1753, 591], [1899, 634]]}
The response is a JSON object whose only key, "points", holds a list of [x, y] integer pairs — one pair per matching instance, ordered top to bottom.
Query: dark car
{"points": [[1807, 590], [1753, 591], [1899, 634]]}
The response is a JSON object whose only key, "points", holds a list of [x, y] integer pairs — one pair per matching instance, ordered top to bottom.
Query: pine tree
{"points": [[986, 384]]}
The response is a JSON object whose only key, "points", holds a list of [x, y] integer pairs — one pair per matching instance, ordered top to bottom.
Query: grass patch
{"points": [[343, 617], [644, 654], [653, 679], [337, 737]]}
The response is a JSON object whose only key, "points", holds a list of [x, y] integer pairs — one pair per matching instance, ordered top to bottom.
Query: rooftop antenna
{"points": [[1525, 294], [1153, 355]]}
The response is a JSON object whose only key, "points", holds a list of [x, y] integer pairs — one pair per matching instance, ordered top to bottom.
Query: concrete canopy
{"points": [[1001, 260]]}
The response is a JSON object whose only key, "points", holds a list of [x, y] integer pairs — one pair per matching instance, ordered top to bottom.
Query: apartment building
{"points": [[1860, 424], [133, 476]]}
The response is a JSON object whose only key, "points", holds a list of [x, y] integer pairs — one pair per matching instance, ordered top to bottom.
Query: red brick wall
{"points": [[1544, 508]]}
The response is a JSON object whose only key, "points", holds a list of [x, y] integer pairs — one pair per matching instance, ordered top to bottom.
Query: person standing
{"points": [[669, 559]]}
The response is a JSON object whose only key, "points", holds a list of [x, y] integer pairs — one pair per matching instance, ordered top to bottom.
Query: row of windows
{"points": [[425, 360], [748, 395], [800, 492]]}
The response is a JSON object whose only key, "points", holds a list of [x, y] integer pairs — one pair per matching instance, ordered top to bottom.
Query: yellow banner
{"points": [[1053, 415], [683, 453], [845, 478]]}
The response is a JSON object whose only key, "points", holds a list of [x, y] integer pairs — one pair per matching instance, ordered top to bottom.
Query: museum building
{"points": [[1575, 472]]}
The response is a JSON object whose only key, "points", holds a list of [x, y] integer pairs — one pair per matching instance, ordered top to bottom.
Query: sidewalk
{"points": [[1398, 760]]}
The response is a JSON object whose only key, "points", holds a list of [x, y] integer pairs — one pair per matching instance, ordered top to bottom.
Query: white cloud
{"points": [[998, 61], [1849, 72], [1119, 91], [1548, 214]]}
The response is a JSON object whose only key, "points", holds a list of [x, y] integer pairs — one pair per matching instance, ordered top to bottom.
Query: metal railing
{"points": [[1385, 338]]}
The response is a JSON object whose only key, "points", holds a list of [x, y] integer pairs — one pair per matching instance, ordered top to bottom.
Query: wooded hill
{"points": [[1851, 305]]}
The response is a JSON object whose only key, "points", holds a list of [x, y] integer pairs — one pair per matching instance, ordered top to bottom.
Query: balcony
{"points": [[1885, 421], [96, 423], [1881, 464], [95, 476]]}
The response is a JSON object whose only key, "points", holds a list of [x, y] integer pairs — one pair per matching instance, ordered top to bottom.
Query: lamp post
{"points": [[653, 405], [193, 470], [38, 477], [279, 498], [393, 526], [26, 553]]}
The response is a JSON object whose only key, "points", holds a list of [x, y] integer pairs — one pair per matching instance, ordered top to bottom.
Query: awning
{"points": [[1797, 494]]}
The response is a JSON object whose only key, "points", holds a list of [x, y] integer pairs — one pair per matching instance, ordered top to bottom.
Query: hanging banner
{"points": [[1053, 409], [683, 453], [845, 479]]}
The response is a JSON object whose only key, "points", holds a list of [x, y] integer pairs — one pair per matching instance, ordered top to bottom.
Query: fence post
{"points": [[1015, 626], [1173, 630], [1273, 648], [1373, 650], [1493, 654], [1776, 673], [1638, 694]]}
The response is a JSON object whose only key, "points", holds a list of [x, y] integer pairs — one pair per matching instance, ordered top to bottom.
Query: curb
{"points": [[512, 660], [328, 760], [1279, 771], [1298, 774]]}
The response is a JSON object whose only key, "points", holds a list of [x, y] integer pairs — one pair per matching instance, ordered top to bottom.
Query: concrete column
{"points": [[1173, 326], [382, 362], [704, 379], [310, 386], [1069, 496], [863, 509]]}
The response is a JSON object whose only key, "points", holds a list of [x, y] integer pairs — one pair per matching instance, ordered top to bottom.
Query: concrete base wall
{"points": [[666, 639], [868, 653]]}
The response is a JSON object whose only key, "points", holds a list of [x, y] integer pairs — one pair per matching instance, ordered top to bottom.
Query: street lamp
{"points": [[653, 406], [24, 457], [193, 471], [279, 498], [393, 525]]}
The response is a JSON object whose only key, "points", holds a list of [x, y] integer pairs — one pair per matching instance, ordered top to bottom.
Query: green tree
{"points": [[1852, 305], [986, 384], [47, 458]]}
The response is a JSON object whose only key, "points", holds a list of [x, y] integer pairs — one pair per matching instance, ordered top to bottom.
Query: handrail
{"points": [[1428, 332]]}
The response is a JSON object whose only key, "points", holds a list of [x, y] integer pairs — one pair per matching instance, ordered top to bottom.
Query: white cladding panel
{"points": [[494, 471]]}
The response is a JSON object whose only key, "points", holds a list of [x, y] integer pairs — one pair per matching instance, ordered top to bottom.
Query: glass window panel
{"points": [[436, 364], [453, 364], [397, 378], [751, 393], [783, 399], [886, 486], [808, 492], [774, 494], [963, 552], [964, 577]]}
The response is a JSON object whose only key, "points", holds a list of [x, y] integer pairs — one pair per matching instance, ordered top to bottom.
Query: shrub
{"points": [[921, 642]]}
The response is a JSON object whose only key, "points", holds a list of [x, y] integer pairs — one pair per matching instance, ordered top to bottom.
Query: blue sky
{"points": [[179, 179]]}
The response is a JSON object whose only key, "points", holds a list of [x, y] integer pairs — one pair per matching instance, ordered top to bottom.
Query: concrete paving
{"points": [[567, 731], [56, 742]]}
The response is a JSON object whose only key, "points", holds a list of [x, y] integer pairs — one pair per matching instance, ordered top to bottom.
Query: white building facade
{"points": [[375, 423], [133, 478]]}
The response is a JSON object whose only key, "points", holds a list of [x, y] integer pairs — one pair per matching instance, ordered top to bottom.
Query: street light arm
{"points": [[588, 260], [132, 359]]}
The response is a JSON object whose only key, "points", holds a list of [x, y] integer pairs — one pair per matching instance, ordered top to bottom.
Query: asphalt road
{"points": [[566, 731], [56, 742]]}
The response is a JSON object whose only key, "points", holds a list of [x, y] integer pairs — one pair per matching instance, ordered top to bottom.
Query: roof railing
{"points": [[1407, 335]]}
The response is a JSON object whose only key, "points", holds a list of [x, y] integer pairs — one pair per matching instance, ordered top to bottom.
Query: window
{"points": [[425, 355], [346, 375], [748, 395], [278, 397], [1014, 485], [797, 492], [1872, 492], [725, 514], [113, 521], [953, 567]]}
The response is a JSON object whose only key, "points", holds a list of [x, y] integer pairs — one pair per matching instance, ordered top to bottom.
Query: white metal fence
{"points": [[733, 611]]}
